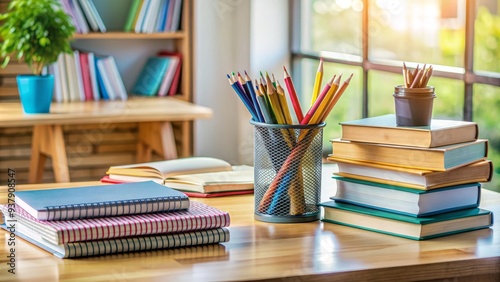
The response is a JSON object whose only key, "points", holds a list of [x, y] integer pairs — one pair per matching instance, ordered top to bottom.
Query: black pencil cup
{"points": [[287, 172]]}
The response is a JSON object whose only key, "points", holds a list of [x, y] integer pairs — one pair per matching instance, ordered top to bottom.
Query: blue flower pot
{"points": [[36, 92]]}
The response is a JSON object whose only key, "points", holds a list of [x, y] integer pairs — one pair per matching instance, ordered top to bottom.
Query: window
{"points": [[372, 39]]}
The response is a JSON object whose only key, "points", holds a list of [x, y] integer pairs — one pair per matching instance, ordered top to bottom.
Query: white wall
{"points": [[234, 35]]}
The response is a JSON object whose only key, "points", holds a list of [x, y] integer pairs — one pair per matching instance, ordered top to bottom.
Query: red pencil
{"points": [[293, 96]]}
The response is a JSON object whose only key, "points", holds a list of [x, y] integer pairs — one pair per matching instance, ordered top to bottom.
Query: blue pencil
{"points": [[253, 96], [248, 104]]}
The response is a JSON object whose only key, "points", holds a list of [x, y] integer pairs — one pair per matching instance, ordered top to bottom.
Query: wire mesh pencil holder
{"points": [[287, 172]]}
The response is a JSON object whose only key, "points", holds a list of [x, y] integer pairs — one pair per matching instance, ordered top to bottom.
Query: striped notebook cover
{"points": [[198, 216], [125, 245]]}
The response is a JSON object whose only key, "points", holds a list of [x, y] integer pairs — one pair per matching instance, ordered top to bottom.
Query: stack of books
{"points": [[84, 15], [148, 16], [415, 182], [109, 219]]}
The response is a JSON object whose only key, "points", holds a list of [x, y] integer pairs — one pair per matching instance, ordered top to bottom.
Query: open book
{"points": [[196, 176]]}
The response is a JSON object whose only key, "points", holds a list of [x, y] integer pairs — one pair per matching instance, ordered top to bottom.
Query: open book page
{"points": [[168, 168], [242, 178]]}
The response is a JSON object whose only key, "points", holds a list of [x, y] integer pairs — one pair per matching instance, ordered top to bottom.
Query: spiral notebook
{"points": [[101, 201]]}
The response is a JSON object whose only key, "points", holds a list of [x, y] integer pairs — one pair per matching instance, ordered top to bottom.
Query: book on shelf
{"points": [[132, 15], [92, 16], [148, 16], [81, 22], [85, 74], [79, 76], [149, 80], [171, 80], [383, 129], [436, 159], [480, 171], [196, 176], [406, 200], [101, 201], [199, 216], [416, 228], [124, 245]]}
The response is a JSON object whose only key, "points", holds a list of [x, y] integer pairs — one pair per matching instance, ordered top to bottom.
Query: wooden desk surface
{"points": [[135, 109], [312, 251]]}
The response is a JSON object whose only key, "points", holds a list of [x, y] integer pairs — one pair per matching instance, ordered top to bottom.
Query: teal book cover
{"points": [[151, 76], [401, 225]]}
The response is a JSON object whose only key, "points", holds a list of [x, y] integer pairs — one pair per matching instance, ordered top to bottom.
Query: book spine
{"points": [[93, 210], [133, 244]]}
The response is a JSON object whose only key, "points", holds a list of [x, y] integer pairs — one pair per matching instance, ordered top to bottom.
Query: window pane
{"points": [[331, 25], [424, 31], [487, 36], [486, 103], [447, 105], [349, 106]]}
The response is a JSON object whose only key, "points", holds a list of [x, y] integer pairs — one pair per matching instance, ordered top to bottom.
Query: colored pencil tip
{"points": [[228, 76]]}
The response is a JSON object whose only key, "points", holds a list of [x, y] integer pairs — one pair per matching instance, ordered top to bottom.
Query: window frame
{"points": [[465, 74]]}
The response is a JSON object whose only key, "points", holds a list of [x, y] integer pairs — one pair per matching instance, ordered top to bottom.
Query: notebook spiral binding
{"points": [[115, 208]]}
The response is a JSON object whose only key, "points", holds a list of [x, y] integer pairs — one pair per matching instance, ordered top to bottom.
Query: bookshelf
{"points": [[130, 51]]}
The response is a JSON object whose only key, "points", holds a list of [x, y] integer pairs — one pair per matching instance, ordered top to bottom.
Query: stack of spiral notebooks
{"points": [[110, 219]]}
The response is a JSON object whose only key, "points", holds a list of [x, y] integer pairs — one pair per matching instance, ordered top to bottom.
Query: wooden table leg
{"points": [[155, 137], [48, 141]]}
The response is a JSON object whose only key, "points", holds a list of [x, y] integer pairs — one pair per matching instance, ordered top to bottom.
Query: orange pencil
{"points": [[336, 97]]}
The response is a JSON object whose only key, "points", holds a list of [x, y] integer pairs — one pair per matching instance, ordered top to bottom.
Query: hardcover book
{"points": [[150, 78], [383, 129], [436, 159], [480, 171], [406, 200], [101, 201], [199, 216], [416, 228], [124, 245]]}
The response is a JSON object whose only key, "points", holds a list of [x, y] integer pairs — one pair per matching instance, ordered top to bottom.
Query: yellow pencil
{"points": [[317, 81], [336, 97], [273, 99], [283, 103], [315, 119]]}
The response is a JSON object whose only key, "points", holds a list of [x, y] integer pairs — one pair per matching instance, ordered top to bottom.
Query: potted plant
{"points": [[35, 32]]}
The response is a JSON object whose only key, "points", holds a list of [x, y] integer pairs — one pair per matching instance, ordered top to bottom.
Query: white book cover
{"points": [[67, 8], [88, 15], [97, 16], [152, 16], [176, 16], [79, 17], [140, 18], [61, 66], [54, 70], [105, 75], [169, 76], [71, 77], [79, 77], [116, 78]]}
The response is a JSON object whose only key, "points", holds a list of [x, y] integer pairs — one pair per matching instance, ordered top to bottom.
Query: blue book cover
{"points": [[151, 76], [100, 81], [405, 200], [101, 201]]}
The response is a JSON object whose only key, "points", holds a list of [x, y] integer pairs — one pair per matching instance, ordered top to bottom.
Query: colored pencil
{"points": [[317, 81], [293, 95], [243, 97], [253, 97], [317, 102]]}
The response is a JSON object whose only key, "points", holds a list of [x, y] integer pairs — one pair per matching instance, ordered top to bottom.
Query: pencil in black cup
{"points": [[253, 96], [243, 97]]}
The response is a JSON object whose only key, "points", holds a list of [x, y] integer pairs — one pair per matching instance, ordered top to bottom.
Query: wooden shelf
{"points": [[130, 35], [115, 144]]}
